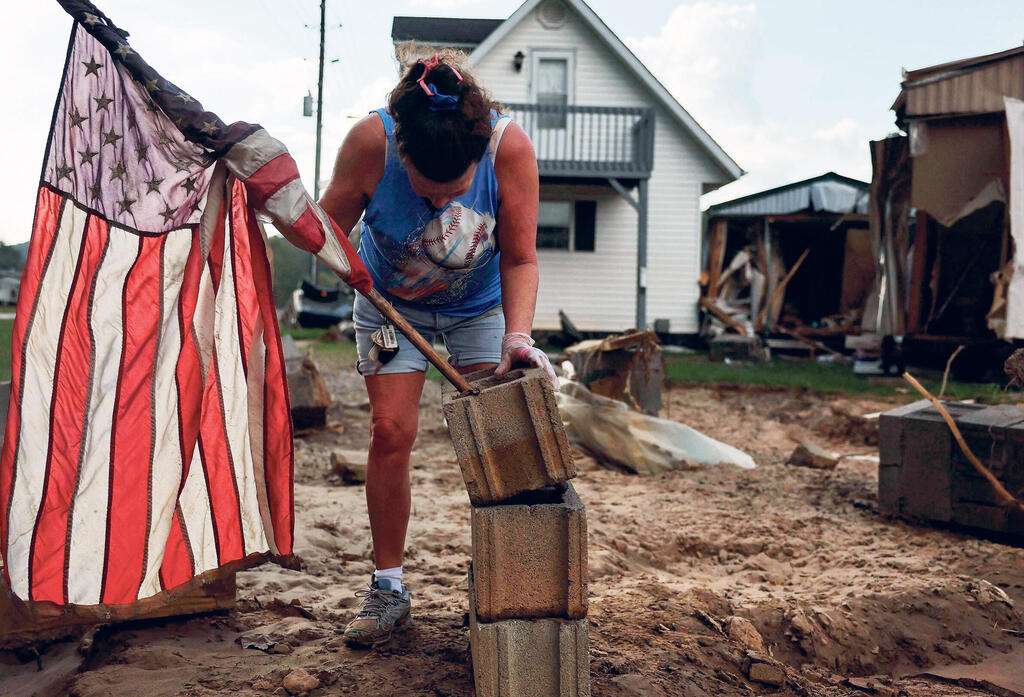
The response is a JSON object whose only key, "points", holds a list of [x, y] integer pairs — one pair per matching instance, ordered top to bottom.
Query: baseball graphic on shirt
{"points": [[459, 237]]}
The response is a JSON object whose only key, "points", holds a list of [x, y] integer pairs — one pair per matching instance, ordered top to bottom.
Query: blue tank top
{"points": [[444, 260]]}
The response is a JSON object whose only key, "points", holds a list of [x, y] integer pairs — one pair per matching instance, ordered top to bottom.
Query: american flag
{"points": [[148, 440]]}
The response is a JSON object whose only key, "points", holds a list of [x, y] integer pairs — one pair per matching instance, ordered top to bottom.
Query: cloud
{"points": [[442, 5], [707, 55]]}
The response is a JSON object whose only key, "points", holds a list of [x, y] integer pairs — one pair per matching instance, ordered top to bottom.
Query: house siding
{"points": [[598, 289]]}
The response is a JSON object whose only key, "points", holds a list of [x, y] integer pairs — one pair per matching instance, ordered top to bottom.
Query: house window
{"points": [[552, 90], [554, 225], [567, 225]]}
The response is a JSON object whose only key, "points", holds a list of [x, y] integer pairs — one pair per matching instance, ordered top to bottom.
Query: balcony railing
{"points": [[589, 141]]}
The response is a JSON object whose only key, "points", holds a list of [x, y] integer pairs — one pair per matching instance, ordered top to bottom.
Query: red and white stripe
{"points": [[145, 407]]}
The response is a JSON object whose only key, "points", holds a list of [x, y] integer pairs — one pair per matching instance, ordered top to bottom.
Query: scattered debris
{"points": [[336, 333], [733, 347], [627, 367], [1014, 369], [307, 392], [640, 443], [810, 455], [350, 465], [709, 621], [741, 630], [261, 642], [760, 668], [299, 681], [871, 686]]}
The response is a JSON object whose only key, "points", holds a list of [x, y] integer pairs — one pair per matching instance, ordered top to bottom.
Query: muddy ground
{"points": [[847, 600]]}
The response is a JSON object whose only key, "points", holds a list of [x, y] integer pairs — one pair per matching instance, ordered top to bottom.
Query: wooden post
{"points": [[716, 255], [915, 310]]}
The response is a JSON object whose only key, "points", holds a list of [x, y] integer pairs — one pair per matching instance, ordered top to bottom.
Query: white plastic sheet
{"points": [[1015, 294], [641, 443]]}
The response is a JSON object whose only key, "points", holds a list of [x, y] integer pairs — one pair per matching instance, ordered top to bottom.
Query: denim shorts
{"points": [[469, 340]]}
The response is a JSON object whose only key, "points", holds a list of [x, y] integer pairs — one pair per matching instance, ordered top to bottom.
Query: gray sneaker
{"points": [[385, 608]]}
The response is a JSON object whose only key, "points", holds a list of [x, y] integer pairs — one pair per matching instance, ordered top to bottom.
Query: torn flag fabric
{"points": [[148, 439]]}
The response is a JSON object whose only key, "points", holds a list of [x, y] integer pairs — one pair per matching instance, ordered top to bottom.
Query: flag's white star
{"points": [[123, 50], [209, 128]]}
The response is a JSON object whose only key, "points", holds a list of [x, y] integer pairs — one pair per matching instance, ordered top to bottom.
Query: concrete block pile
{"points": [[528, 578]]}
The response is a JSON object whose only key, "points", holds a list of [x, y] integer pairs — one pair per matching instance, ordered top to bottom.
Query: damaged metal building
{"points": [[947, 211], [796, 259]]}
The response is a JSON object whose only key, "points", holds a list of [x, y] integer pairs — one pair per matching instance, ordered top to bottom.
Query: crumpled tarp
{"points": [[1015, 293], [643, 444]]}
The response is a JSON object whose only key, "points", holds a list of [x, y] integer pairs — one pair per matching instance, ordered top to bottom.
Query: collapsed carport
{"points": [[793, 260]]}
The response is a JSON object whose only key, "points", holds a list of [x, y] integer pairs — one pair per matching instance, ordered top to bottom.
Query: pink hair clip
{"points": [[429, 65]]}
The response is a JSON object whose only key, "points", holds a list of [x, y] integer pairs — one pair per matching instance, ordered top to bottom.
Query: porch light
{"points": [[517, 61]]}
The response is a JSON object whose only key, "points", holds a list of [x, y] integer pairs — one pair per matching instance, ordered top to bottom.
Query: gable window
{"points": [[551, 85], [552, 91], [567, 225]]}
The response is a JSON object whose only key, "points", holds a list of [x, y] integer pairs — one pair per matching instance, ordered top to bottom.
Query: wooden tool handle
{"points": [[419, 342]]}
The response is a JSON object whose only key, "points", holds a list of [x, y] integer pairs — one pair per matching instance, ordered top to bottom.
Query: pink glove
{"points": [[517, 347]]}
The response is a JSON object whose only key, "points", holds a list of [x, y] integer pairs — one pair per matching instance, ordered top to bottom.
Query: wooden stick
{"points": [[781, 288], [722, 315], [812, 343], [949, 364], [446, 368], [1001, 491]]}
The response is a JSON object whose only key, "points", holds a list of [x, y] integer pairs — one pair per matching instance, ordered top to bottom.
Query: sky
{"points": [[789, 88]]}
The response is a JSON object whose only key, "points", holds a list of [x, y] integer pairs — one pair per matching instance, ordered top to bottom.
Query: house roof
{"points": [[443, 30], [613, 42], [970, 86], [829, 193]]}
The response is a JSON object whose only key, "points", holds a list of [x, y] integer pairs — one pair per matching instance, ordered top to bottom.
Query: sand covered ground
{"points": [[846, 600]]}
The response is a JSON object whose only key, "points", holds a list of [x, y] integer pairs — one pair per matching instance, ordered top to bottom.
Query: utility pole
{"points": [[319, 121]]}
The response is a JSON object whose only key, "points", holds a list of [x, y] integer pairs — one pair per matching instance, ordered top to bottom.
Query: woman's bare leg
{"points": [[394, 418]]}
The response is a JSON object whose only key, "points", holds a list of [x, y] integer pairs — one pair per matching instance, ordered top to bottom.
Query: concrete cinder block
{"points": [[508, 438], [530, 556], [530, 658]]}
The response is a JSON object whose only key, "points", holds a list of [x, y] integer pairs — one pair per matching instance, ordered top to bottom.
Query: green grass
{"points": [[6, 329], [300, 334], [823, 377]]}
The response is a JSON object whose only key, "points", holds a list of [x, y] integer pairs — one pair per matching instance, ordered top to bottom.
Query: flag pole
{"points": [[319, 121]]}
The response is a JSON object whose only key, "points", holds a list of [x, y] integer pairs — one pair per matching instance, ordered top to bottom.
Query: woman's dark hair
{"points": [[441, 143]]}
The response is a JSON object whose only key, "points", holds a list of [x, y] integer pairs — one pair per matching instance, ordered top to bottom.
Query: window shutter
{"points": [[586, 225]]}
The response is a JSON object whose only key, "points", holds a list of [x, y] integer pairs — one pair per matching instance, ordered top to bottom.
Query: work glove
{"points": [[517, 347]]}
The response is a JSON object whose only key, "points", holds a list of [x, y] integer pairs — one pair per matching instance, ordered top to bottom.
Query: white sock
{"points": [[392, 574]]}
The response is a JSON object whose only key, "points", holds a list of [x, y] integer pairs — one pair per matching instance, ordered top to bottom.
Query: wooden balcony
{"points": [[589, 142]]}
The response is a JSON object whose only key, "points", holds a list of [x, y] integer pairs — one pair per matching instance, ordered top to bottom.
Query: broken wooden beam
{"points": [[723, 315]]}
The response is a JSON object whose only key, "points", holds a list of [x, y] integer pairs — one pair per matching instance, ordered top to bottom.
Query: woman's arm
{"points": [[357, 169], [518, 189]]}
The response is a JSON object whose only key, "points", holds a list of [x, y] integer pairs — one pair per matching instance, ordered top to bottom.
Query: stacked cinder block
{"points": [[528, 579]]}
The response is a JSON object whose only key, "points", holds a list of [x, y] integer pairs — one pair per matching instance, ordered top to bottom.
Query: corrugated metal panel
{"points": [[976, 90], [821, 195]]}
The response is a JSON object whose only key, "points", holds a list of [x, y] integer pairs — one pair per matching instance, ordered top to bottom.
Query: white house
{"points": [[622, 164]]}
